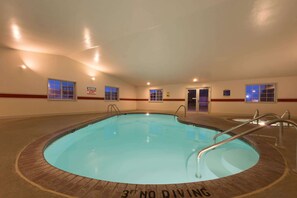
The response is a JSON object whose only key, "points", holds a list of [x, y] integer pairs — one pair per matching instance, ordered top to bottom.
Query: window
{"points": [[61, 90], [111, 93], [260, 93], [156, 95]]}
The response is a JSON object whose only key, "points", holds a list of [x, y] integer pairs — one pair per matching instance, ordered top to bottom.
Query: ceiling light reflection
{"points": [[262, 12], [87, 38], [96, 57]]}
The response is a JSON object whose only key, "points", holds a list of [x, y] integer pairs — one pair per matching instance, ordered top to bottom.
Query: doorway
{"points": [[198, 100]]}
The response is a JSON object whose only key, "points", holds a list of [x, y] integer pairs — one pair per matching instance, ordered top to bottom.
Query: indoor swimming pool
{"points": [[147, 149]]}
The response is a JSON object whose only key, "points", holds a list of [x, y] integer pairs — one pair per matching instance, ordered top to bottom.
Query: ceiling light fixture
{"points": [[16, 32], [96, 57], [23, 66], [93, 78], [195, 80], [148, 83]]}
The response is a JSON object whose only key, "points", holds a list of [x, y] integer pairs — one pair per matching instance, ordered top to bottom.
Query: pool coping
{"points": [[31, 166]]}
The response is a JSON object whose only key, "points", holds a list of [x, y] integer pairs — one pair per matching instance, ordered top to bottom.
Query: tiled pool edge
{"points": [[33, 167]]}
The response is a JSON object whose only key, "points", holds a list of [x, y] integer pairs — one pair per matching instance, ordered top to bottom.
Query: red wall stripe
{"points": [[3, 95], [36, 96], [89, 98], [130, 99], [141, 99], [174, 99], [228, 100], [287, 100]]}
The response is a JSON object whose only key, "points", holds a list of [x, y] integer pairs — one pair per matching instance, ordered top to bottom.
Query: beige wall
{"points": [[33, 80], [286, 88]]}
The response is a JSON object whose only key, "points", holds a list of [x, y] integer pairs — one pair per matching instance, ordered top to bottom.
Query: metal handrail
{"points": [[113, 106], [109, 108], [117, 108], [287, 112], [185, 114], [256, 114], [284, 114], [245, 123], [199, 156]]}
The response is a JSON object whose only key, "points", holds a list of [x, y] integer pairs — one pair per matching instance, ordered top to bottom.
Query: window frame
{"points": [[118, 94], [259, 97], [62, 99], [156, 101]]}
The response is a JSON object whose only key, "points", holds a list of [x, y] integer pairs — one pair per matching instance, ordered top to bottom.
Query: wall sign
{"points": [[91, 90], [227, 92], [167, 94]]}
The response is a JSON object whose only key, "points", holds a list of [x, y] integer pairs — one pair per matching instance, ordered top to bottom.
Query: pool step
{"points": [[238, 160], [223, 162], [215, 164]]}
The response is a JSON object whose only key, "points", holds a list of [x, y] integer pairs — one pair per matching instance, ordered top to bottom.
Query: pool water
{"points": [[146, 149]]}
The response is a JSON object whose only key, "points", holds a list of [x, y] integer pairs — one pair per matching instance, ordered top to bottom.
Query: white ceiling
{"points": [[161, 41]]}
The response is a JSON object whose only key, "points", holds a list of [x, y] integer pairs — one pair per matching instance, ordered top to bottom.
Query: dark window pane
{"points": [[60, 89], [111, 93], [156, 95]]}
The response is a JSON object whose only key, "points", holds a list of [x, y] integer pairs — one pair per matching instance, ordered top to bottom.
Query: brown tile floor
{"points": [[15, 134]]}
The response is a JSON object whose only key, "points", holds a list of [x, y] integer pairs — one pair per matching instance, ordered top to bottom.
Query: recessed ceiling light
{"points": [[23, 66], [93, 78], [195, 80], [148, 83]]}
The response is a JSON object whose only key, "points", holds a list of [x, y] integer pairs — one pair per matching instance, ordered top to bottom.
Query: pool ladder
{"points": [[114, 107], [185, 110], [278, 119]]}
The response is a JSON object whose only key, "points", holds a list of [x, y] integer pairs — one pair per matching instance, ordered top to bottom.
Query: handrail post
{"points": [[108, 108], [117, 108], [256, 114], [288, 117], [281, 133], [198, 167], [295, 169]]}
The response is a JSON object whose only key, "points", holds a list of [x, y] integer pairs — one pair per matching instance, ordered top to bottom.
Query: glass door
{"points": [[198, 100], [203, 100]]}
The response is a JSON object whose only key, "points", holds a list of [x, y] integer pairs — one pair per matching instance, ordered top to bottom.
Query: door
{"points": [[192, 100], [198, 100], [203, 100]]}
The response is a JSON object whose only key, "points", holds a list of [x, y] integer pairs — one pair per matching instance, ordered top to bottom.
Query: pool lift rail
{"points": [[114, 107], [185, 110], [247, 132]]}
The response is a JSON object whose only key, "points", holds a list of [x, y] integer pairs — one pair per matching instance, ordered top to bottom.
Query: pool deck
{"points": [[28, 175]]}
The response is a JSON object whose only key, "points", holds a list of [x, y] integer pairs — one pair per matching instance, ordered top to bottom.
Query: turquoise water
{"points": [[146, 149]]}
